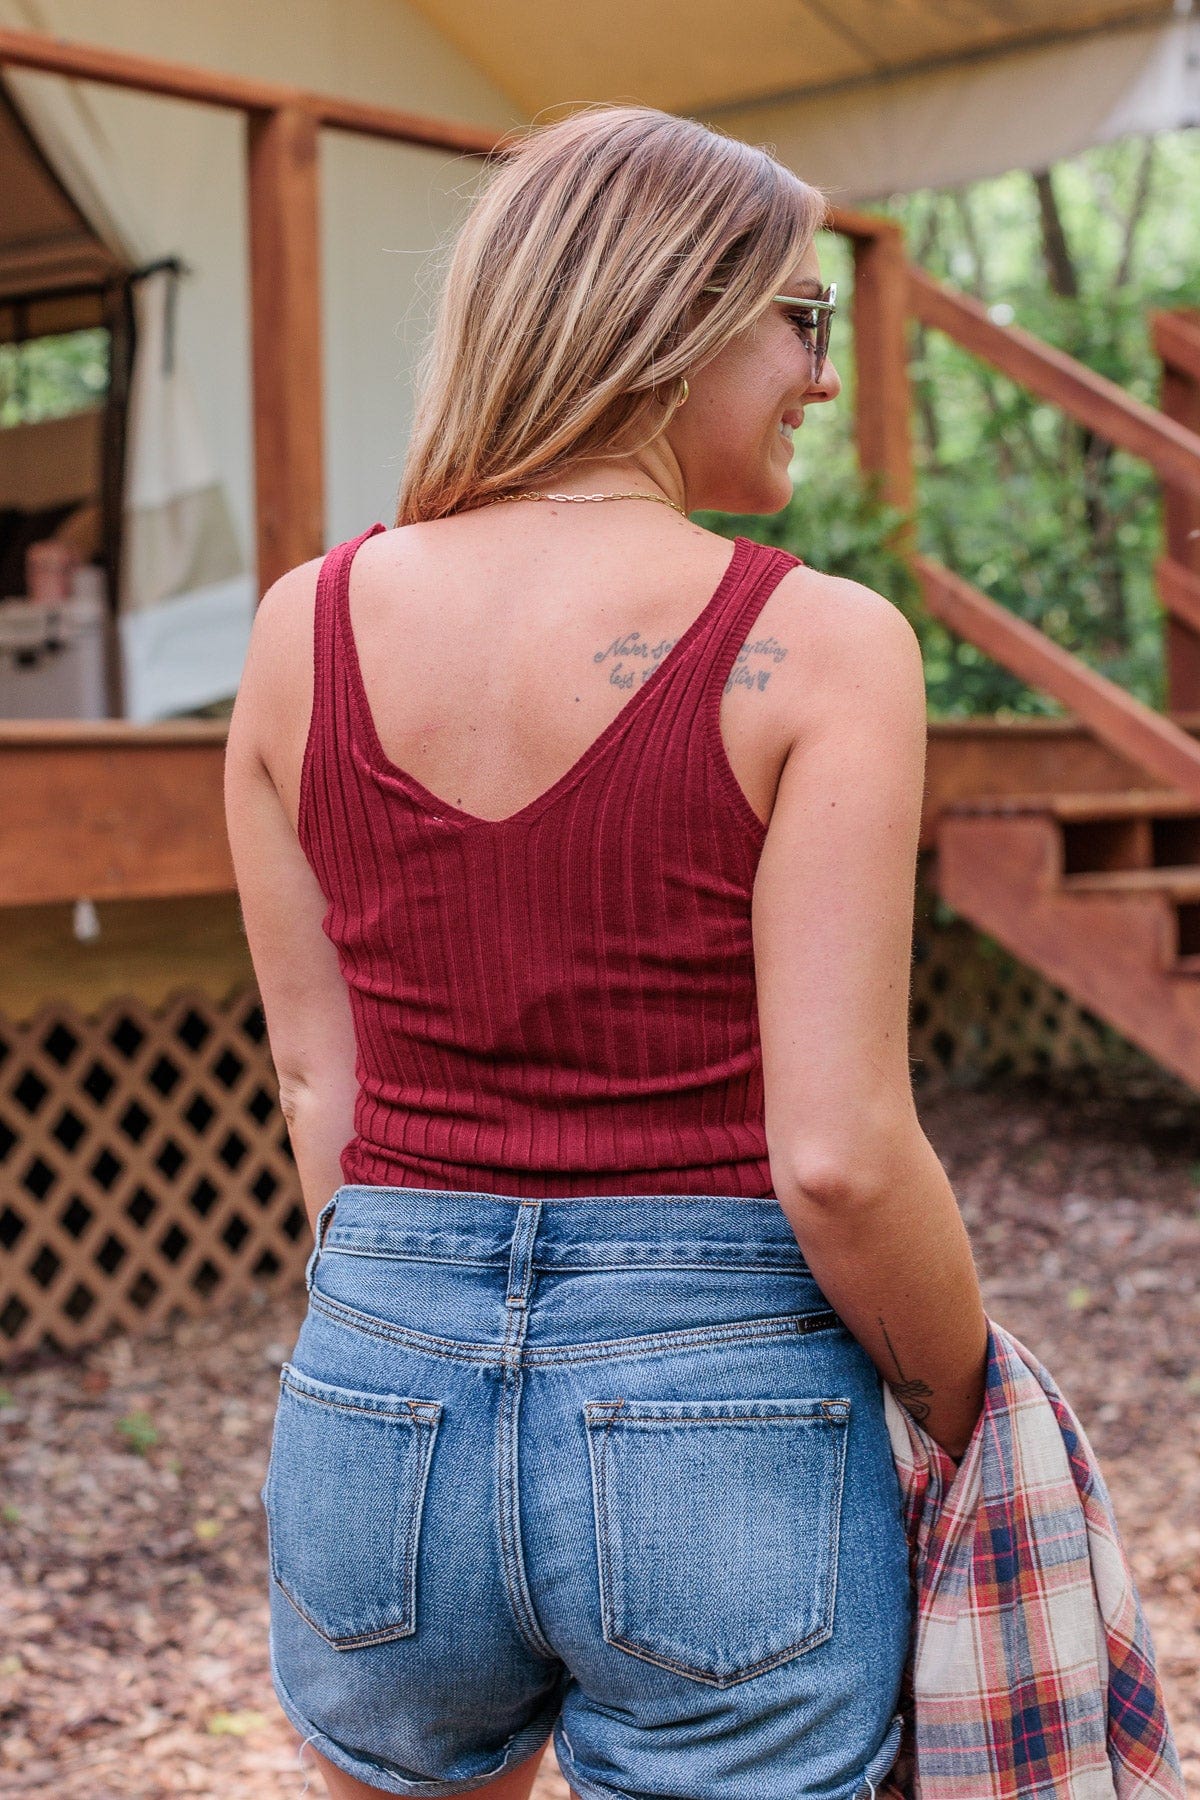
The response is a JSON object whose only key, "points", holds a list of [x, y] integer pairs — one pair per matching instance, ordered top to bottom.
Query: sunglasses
{"points": [[812, 320]]}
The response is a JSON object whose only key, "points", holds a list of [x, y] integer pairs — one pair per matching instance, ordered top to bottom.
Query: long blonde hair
{"points": [[574, 298]]}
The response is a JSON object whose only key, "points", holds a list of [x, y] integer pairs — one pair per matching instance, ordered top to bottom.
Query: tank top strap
{"points": [[763, 567], [332, 636], [332, 714]]}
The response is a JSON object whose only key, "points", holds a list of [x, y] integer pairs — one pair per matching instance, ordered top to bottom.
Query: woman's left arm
{"points": [[303, 992]]}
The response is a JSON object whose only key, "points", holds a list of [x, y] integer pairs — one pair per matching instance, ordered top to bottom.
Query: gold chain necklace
{"points": [[577, 499]]}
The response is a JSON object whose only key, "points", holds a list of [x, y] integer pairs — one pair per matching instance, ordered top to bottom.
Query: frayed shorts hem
{"points": [[518, 1750]]}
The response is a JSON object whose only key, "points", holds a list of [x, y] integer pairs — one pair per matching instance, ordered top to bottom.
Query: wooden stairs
{"points": [[1100, 891]]}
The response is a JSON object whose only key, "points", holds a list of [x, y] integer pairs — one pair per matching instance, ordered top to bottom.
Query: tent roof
{"points": [[698, 56], [45, 242]]}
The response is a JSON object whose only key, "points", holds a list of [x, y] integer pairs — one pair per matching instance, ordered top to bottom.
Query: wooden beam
{"points": [[213, 87], [216, 87], [848, 222], [1176, 338], [287, 353], [882, 401], [1094, 401], [1179, 591], [1133, 730], [969, 760], [108, 810], [118, 813]]}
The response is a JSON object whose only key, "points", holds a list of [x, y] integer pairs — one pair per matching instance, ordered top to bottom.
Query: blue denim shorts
{"points": [[609, 1468]]}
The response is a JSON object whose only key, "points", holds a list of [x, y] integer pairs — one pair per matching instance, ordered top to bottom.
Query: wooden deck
{"points": [[113, 811]]}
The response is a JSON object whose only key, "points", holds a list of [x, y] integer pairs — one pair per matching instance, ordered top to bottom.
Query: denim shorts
{"points": [[610, 1468]]}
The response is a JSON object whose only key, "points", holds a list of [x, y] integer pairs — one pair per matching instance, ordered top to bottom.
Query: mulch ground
{"points": [[133, 1657]]}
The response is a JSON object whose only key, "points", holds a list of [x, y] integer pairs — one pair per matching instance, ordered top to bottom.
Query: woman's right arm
{"points": [[861, 1185]]}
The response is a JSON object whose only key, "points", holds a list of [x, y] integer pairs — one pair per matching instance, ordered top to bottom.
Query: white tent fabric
{"points": [[66, 126], [948, 126], [160, 178], [180, 553], [181, 561]]}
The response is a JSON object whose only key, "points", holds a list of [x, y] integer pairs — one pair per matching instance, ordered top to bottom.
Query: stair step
{"points": [[1117, 803], [1178, 884], [1125, 943]]}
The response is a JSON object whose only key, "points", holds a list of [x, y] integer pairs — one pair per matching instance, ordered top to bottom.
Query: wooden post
{"points": [[285, 279], [1177, 342], [882, 402]]}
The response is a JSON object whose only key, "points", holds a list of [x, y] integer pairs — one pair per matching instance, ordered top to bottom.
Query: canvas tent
{"points": [[101, 186]]}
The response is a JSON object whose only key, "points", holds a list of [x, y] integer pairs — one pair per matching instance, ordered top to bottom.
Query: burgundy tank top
{"points": [[560, 1002]]}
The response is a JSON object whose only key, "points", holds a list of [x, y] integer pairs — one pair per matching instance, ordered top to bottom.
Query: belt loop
{"points": [[323, 1217], [520, 1259]]}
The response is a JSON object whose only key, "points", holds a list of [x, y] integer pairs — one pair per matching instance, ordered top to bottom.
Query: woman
{"points": [[577, 868]]}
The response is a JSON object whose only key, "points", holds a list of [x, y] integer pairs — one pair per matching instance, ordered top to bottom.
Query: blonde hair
{"points": [[570, 307]]}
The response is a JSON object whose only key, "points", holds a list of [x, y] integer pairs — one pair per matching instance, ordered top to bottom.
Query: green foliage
{"points": [[49, 377], [1051, 523], [842, 528]]}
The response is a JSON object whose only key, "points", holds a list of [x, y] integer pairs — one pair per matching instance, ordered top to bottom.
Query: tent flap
{"points": [[961, 124]]}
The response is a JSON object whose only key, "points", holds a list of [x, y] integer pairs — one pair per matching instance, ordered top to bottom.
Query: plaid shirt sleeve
{"points": [[1031, 1671]]}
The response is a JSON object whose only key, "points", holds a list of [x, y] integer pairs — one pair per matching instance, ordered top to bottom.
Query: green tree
{"points": [[1045, 518]]}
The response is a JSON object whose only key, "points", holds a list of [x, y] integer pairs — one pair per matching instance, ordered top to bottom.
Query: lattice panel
{"points": [[976, 1012], [144, 1168]]}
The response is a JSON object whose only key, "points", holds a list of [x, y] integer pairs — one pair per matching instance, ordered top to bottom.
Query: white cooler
{"points": [[54, 658]]}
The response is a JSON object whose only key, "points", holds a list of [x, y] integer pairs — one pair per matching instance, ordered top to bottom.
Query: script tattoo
{"points": [[641, 656], [633, 659], [742, 675], [912, 1390]]}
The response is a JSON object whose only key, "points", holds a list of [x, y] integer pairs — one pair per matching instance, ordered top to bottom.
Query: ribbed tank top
{"points": [[559, 1002]]}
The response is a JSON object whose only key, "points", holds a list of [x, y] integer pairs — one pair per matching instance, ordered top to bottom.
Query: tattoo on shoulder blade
{"points": [[632, 659], [914, 1392]]}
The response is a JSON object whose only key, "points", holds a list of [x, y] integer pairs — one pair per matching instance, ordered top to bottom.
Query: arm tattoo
{"points": [[742, 674], [914, 1392]]}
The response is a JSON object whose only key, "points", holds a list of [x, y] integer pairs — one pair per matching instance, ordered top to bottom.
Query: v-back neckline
{"points": [[444, 810]]}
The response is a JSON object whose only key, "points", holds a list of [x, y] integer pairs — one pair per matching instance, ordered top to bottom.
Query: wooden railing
{"points": [[1176, 338], [1090, 399], [1169, 441], [1128, 726]]}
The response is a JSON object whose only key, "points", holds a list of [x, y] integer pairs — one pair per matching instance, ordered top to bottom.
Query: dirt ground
{"points": [[133, 1658]]}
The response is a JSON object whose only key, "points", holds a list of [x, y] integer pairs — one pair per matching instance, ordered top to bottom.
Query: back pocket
{"points": [[343, 1496], [717, 1525]]}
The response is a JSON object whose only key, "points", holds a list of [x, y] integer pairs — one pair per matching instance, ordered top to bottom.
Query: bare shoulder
{"points": [[285, 612], [841, 617], [847, 643], [274, 699]]}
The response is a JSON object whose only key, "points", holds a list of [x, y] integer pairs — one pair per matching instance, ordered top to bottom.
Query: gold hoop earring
{"points": [[682, 400]]}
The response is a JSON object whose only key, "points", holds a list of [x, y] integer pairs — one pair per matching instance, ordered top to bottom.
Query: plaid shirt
{"points": [[1031, 1674]]}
